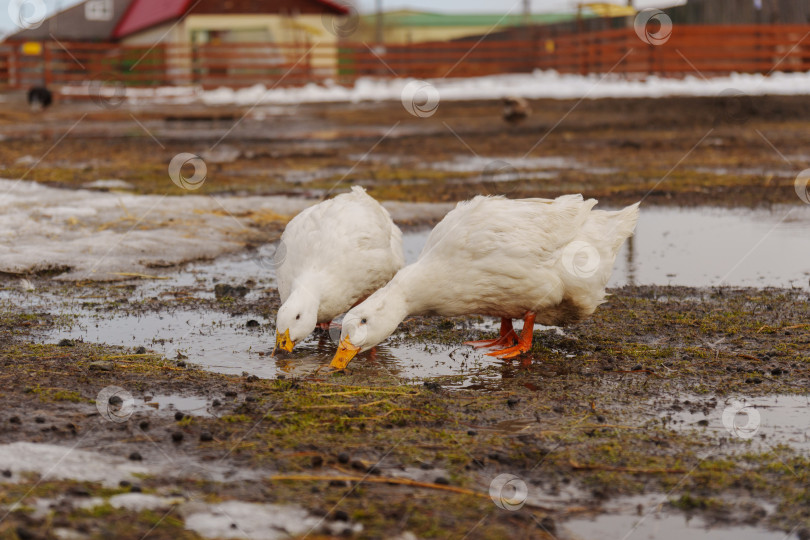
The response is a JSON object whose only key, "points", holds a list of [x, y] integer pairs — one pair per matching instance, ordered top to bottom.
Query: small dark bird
{"points": [[39, 98], [515, 109]]}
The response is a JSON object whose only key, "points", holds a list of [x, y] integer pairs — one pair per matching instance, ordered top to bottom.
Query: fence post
{"points": [[12, 66], [47, 76]]}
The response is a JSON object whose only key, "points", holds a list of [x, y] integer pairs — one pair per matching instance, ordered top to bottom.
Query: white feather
{"points": [[334, 254], [501, 257]]}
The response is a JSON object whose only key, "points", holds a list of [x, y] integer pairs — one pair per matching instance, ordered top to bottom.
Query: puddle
{"points": [[510, 169], [745, 171], [695, 247], [704, 247], [221, 343], [190, 405], [767, 421], [516, 425], [663, 525]]}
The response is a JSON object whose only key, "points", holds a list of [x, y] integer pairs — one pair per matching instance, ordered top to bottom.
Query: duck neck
{"points": [[307, 287], [405, 292]]}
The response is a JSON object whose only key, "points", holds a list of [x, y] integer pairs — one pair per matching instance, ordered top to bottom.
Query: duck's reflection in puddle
{"points": [[459, 366]]}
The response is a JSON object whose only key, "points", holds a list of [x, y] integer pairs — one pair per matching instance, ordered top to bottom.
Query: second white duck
{"points": [[542, 260]]}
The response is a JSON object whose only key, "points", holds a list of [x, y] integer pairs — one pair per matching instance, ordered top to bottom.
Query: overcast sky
{"points": [[458, 6]]}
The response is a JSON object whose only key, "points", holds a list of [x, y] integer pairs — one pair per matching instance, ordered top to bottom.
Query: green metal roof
{"points": [[423, 19]]}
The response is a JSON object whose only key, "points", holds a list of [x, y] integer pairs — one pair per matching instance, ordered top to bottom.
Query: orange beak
{"points": [[283, 342], [346, 351]]}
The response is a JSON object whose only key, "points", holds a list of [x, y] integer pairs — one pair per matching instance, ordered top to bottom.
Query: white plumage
{"points": [[330, 256], [527, 258]]}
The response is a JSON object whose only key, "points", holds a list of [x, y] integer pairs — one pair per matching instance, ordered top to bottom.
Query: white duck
{"points": [[330, 256], [538, 259]]}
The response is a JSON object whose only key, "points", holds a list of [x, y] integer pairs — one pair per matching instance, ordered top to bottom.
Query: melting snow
{"points": [[540, 84], [108, 184], [99, 235], [54, 462], [236, 519]]}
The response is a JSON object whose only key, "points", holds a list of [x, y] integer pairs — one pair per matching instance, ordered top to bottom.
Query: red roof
{"points": [[144, 14]]}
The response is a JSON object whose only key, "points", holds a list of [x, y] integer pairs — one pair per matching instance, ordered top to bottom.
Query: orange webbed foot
{"points": [[507, 337], [503, 341], [524, 343], [511, 352]]}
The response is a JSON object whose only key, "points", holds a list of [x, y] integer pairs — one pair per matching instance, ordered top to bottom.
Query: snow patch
{"points": [[536, 85], [108, 184], [102, 235], [54, 462], [237, 519]]}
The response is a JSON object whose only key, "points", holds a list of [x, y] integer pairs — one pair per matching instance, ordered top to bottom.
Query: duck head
{"points": [[296, 319], [369, 324]]}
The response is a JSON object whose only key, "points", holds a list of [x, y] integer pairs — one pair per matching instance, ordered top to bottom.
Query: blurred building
{"points": [[741, 12], [89, 21], [182, 21], [226, 21], [403, 27], [209, 42]]}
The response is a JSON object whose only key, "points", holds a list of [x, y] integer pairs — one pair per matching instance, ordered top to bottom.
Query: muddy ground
{"points": [[726, 151], [592, 416]]}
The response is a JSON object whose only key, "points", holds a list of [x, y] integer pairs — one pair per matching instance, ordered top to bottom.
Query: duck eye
{"points": [[297, 316], [363, 320]]}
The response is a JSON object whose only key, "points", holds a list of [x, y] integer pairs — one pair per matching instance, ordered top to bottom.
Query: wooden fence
{"points": [[698, 50]]}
